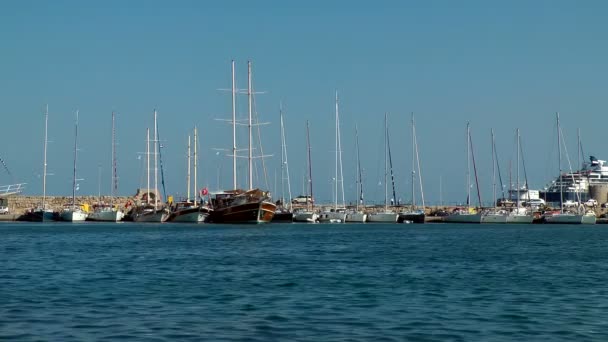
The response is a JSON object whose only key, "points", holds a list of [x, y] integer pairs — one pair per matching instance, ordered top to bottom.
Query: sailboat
{"points": [[238, 205], [108, 211], [187, 211], [42, 212], [73, 212], [151, 212], [284, 212], [338, 213], [468, 214], [519, 214], [307, 215], [357, 215], [414, 215], [494, 215], [385, 216], [562, 216]]}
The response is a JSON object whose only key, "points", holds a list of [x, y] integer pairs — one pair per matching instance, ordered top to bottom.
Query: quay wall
{"points": [[20, 204]]}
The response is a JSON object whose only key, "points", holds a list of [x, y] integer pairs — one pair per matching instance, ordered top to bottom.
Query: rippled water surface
{"points": [[303, 282]]}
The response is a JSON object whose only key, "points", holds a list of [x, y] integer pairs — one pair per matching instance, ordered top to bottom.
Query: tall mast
{"points": [[46, 125], [233, 127], [559, 153], [282, 155], [340, 155], [75, 157], [249, 157], [155, 161], [385, 161], [284, 163], [148, 165], [309, 165], [413, 165], [468, 166], [493, 169], [419, 171], [475, 171], [517, 172], [336, 173], [188, 174], [359, 180], [114, 185], [196, 192]]}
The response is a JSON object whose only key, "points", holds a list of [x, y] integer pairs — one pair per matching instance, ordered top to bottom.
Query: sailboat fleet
{"points": [[251, 204]]}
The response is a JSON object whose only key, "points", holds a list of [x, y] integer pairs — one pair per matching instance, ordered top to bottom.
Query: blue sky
{"points": [[499, 65]]}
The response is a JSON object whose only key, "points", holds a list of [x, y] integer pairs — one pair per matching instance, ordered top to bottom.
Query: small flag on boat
{"points": [[204, 192]]}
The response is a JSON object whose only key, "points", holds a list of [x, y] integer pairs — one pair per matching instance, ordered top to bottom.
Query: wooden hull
{"points": [[253, 212]]}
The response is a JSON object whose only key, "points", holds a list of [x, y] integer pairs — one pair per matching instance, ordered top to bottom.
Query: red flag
{"points": [[204, 192]]}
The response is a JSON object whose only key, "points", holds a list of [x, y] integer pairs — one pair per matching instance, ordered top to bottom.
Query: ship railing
{"points": [[11, 189]]}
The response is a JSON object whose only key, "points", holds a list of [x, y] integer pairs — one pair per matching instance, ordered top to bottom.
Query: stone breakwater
{"points": [[20, 204]]}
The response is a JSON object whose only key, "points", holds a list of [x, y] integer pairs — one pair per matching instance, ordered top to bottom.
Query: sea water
{"points": [[347, 282]]}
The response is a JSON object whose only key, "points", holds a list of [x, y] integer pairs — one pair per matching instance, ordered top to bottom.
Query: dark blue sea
{"points": [[298, 282]]}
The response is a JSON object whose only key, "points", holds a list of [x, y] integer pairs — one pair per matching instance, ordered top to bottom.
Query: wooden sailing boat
{"points": [[238, 205], [107, 211], [73, 212], [468, 214], [307, 215], [414, 215], [385, 216]]}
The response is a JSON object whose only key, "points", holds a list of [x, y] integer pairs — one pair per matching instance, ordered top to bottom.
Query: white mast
{"points": [[46, 124], [233, 127], [339, 151], [559, 153], [249, 156], [75, 157], [385, 161], [155, 162], [284, 163], [418, 164], [148, 165], [413, 165], [468, 166], [493, 169], [336, 170], [188, 174], [114, 178], [359, 181], [518, 189], [196, 192]]}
